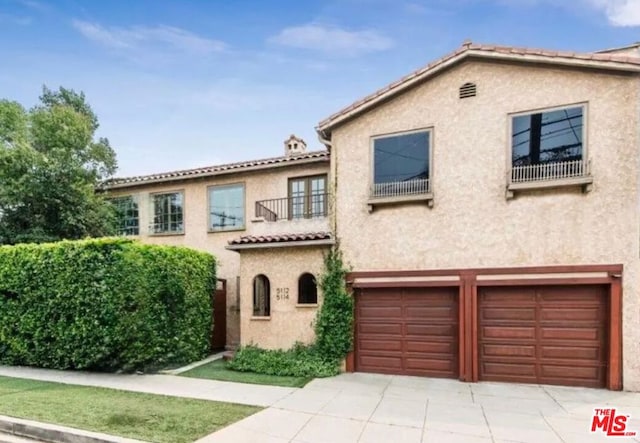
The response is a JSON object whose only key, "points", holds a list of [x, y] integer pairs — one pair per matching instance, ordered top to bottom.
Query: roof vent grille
{"points": [[468, 90]]}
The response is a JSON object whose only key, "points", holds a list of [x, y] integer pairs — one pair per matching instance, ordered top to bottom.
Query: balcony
{"points": [[550, 175], [399, 192], [293, 208]]}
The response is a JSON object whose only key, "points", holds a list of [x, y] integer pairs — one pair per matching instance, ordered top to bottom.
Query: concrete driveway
{"points": [[381, 408]]}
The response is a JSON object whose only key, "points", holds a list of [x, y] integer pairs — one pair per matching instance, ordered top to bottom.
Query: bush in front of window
{"points": [[106, 305]]}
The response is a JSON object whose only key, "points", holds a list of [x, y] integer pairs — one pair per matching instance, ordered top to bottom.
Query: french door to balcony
{"points": [[308, 197]]}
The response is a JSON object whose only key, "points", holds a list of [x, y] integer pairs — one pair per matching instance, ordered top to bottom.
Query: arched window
{"points": [[307, 289], [261, 296]]}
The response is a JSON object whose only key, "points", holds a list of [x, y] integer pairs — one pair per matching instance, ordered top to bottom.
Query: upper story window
{"points": [[548, 145], [401, 164], [308, 197], [226, 207], [168, 213], [127, 218], [307, 289], [261, 296]]}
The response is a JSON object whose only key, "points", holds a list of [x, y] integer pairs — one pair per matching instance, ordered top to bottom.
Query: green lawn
{"points": [[217, 370], [155, 418]]}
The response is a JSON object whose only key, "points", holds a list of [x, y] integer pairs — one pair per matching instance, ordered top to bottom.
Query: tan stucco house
{"points": [[487, 203], [273, 211]]}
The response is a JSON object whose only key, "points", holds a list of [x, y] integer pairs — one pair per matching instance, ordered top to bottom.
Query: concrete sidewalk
{"points": [[246, 394], [371, 408]]}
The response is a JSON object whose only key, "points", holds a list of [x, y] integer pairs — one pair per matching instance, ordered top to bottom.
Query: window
{"points": [[548, 145], [401, 164], [308, 197], [226, 207], [168, 213], [127, 220], [307, 289], [261, 296]]}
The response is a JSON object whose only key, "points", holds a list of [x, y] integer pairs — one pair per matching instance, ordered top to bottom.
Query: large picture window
{"points": [[548, 144], [401, 164], [226, 207], [168, 213], [127, 218]]}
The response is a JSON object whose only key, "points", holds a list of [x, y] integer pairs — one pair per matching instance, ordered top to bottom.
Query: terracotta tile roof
{"points": [[495, 52], [308, 157], [281, 238]]}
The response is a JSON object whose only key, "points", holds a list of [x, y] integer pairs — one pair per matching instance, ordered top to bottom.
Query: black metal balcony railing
{"points": [[290, 208]]}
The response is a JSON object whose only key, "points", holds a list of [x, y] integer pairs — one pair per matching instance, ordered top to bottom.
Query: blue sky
{"points": [[181, 84]]}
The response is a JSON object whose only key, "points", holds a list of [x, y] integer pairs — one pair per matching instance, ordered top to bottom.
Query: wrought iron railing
{"points": [[549, 171], [397, 189], [288, 208]]}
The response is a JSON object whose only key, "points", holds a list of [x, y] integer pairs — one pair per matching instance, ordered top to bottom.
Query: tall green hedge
{"points": [[106, 304]]}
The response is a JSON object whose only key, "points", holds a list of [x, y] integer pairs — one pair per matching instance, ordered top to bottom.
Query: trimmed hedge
{"points": [[106, 304]]}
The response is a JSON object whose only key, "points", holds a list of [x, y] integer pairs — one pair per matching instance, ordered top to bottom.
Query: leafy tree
{"points": [[50, 165]]}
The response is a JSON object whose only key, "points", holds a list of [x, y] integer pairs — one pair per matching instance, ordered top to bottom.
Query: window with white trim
{"points": [[168, 217]]}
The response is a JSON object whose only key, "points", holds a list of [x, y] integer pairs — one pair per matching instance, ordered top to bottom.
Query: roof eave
{"points": [[619, 48], [325, 127], [238, 170], [283, 244]]}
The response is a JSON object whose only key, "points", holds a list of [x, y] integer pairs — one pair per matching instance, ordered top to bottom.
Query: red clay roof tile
{"points": [[213, 170], [279, 238]]}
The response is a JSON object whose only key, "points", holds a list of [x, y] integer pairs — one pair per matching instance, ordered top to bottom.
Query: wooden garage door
{"points": [[407, 331], [548, 335]]}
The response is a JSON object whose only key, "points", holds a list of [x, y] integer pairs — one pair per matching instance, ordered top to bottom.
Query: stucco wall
{"points": [[260, 185], [472, 224], [289, 322]]}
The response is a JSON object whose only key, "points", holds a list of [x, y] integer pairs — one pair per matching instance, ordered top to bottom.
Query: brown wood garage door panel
{"points": [[410, 331], [543, 334]]}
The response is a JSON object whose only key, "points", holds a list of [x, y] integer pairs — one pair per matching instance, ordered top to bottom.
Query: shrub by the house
{"points": [[105, 304]]}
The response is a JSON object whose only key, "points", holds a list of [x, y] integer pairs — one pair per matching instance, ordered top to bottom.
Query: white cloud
{"points": [[620, 12], [141, 37], [331, 39]]}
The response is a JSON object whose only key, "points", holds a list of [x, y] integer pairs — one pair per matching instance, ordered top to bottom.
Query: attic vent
{"points": [[468, 90]]}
